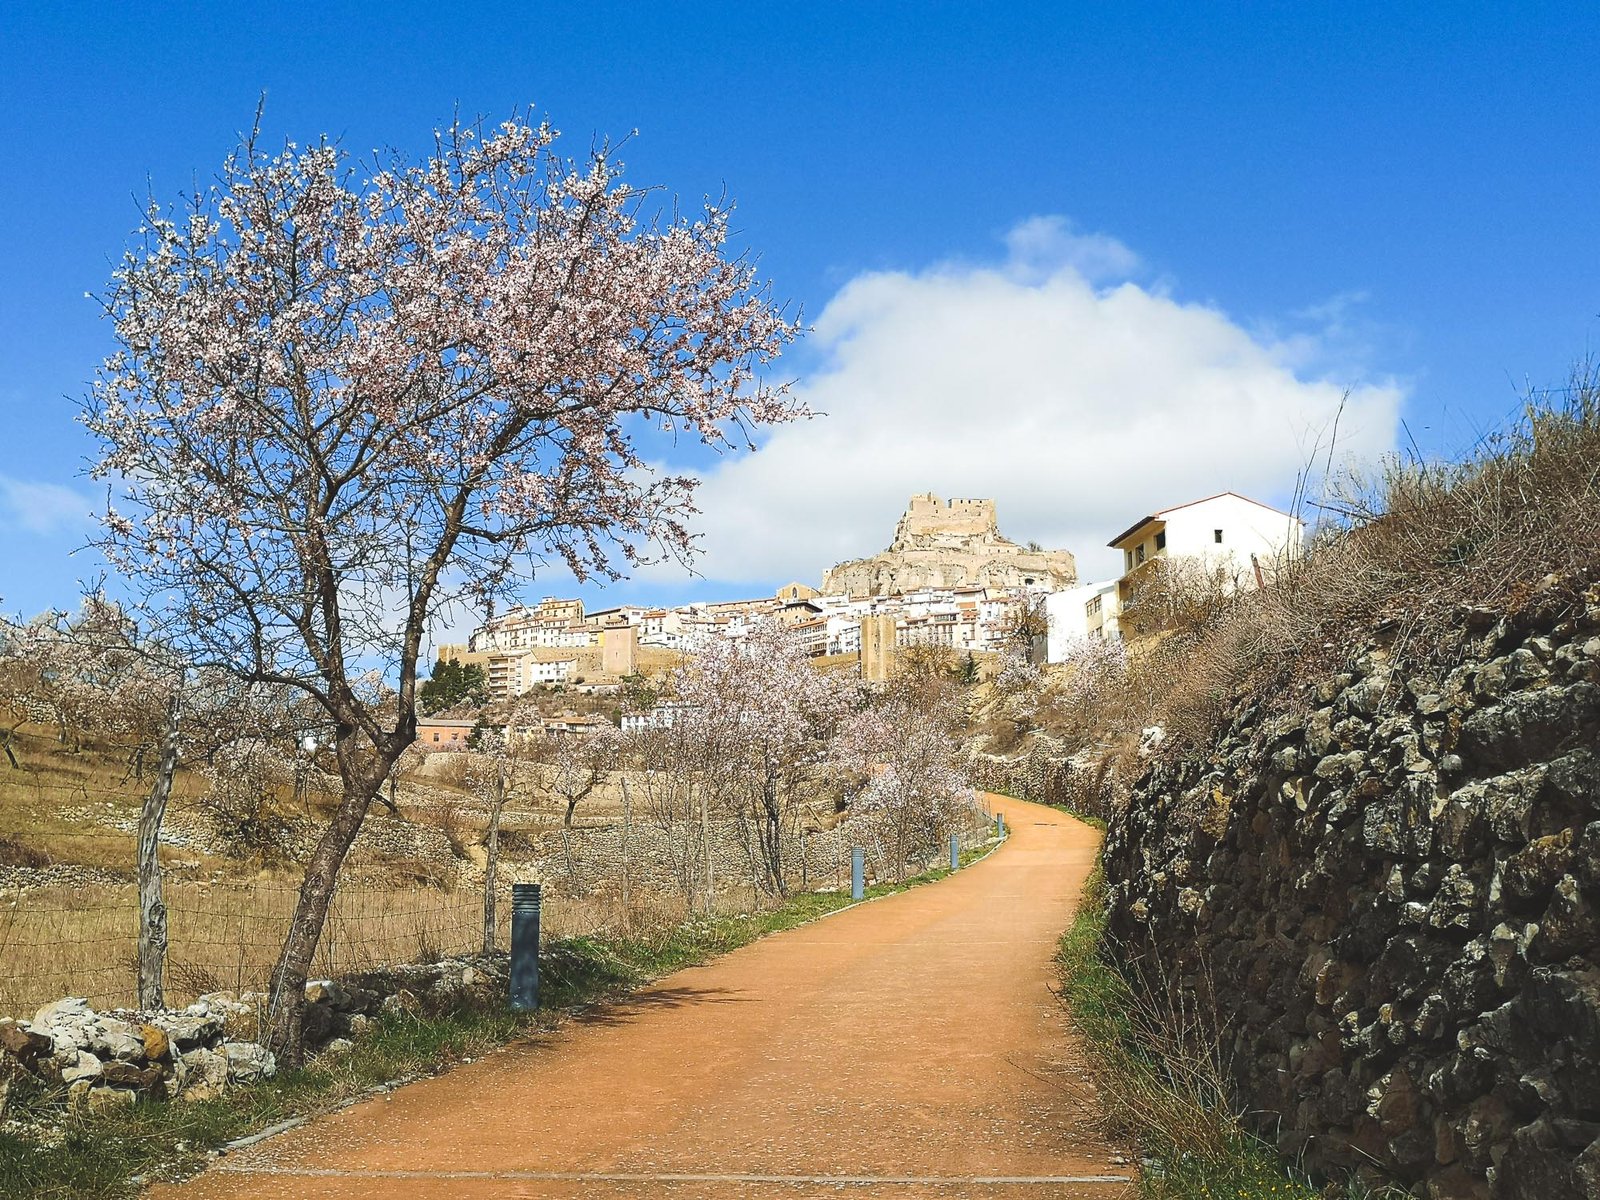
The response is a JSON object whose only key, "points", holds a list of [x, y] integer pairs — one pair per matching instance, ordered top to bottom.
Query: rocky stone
{"points": [[1533, 870], [1569, 925], [326, 991], [71, 1010], [192, 1027], [116, 1039], [23, 1043], [156, 1043], [248, 1062], [84, 1066], [126, 1074], [205, 1075], [104, 1099]]}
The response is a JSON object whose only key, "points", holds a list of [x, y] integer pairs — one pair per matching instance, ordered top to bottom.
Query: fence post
{"points": [[955, 852], [858, 872], [525, 900], [152, 908]]}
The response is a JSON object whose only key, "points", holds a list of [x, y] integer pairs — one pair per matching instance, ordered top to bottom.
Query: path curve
{"points": [[908, 1047]]}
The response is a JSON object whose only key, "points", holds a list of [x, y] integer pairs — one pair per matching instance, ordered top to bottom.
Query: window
{"points": [[1216, 536], [1161, 540], [1139, 555], [1093, 607], [436, 735]]}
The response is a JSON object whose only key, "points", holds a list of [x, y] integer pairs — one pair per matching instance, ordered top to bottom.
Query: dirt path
{"points": [[909, 1047]]}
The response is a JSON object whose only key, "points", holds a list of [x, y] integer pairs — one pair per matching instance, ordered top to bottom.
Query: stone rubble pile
{"points": [[1394, 900], [106, 1059], [109, 1059]]}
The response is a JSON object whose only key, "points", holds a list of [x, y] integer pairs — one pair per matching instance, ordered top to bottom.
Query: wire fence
{"points": [[69, 915]]}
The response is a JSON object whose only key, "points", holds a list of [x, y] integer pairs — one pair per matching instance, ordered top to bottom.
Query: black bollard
{"points": [[525, 946]]}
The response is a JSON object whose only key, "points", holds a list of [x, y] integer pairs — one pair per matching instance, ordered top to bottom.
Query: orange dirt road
{"points": [[908, 1047]]}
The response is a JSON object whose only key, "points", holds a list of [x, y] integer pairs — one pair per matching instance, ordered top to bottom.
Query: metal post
{"points": [[999, 825], [955, 852], [858, 872], [525, 900]]}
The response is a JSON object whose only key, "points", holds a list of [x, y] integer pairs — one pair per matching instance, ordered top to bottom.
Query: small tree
{"points": [[347, 402], [451, 683], [577, 763], [664, 763], [496, 769]]}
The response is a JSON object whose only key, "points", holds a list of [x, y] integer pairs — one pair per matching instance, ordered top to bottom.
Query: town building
{"points": [[1239, 540], [1088, 611], [442, 734]]}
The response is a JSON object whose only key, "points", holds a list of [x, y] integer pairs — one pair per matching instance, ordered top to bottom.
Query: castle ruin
{"points": [[950, 543]]}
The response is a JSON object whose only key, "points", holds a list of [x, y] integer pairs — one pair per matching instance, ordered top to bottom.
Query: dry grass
{"points": [[1416, 549], [81, 941], [1160, 1069]]}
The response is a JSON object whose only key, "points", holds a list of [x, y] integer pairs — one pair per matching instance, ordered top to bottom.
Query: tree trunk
{"points": [[772, 833], [705, 844], [627, 862], [491, 866], [152, 910], [288, 1000]]}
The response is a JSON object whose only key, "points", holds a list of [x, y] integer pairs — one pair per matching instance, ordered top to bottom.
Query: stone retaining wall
{"points": [[1394, 899]]}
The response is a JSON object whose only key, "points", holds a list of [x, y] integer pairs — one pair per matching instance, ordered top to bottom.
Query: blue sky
{"points": [[1354, 195]]}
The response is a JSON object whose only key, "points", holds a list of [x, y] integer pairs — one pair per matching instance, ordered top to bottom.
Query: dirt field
{"points": [[907, 1047]]}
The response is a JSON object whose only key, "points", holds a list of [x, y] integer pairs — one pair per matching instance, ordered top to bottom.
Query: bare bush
{"points": [[242, 802]]}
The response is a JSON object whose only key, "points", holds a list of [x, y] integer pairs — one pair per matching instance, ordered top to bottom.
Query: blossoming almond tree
{"points": [[346, 400], [762, 715], [913, 795]]}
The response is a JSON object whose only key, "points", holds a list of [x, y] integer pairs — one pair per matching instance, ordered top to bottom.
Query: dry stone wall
{"points": [[672, 856], [1393, 900]]}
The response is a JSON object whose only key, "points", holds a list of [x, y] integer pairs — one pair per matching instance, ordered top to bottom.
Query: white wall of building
{"points": [[1245, 528], [1070, 618]]}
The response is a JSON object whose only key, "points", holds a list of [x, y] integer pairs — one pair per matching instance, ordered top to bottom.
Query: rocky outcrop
{"points": [[954, 543], [1392, 900]]}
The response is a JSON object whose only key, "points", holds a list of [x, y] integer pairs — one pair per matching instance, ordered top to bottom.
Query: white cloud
{"points": [[1041, 246], [1077, 399], [43, 508]]}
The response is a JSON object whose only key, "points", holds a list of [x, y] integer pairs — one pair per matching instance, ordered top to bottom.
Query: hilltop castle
{"points": [[950, 543]]}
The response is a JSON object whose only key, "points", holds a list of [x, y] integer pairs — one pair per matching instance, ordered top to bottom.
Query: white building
{"points": [[1244, 541], [1087, 611]]}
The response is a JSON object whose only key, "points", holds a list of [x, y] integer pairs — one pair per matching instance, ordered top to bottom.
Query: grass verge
{"points": [[1159, 1083], [45, 1155]]}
